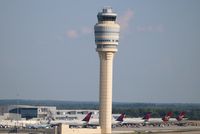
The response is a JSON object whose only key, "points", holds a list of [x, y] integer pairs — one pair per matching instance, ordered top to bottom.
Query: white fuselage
{"points": [[133, 121], [69, 122], [95, 122]]}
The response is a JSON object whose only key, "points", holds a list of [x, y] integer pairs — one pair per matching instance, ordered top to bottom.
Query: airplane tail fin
{"points": [[147, 116], [167, 116], [180, 116], [87, 117], [121, 117]]}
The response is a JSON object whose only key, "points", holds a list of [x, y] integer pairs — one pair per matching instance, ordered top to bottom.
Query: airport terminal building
{"points": [[14, 112]]}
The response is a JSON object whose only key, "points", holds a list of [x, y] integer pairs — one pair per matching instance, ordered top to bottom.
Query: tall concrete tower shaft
{"points": [[106, 39]]}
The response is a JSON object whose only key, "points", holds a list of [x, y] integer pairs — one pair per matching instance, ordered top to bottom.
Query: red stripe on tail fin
{"points": [[147, 116], [167, 116], [180, 116], [87, 117], [121, 117]]}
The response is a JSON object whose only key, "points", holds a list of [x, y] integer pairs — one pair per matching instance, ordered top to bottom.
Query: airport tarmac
{"points": [[122, 130], [158, 130], [26, 131]]}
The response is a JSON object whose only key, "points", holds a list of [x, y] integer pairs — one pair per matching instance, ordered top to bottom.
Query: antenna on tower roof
{"points": [[107, 9]]}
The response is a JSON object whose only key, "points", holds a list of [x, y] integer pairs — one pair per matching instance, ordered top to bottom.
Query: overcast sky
{"points": [[47, 50]]}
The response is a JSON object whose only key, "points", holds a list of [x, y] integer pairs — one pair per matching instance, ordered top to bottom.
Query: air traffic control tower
{"points": [[106, 39]]}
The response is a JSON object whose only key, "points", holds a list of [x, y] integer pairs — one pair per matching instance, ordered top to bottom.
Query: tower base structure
{"points": [[106, 65]]}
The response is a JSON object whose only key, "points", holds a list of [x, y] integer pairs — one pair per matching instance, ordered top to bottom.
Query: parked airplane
{"points": [[167, 118], [179, 118], [136, 120], [160, 120], [73, 122], [95, 122]]}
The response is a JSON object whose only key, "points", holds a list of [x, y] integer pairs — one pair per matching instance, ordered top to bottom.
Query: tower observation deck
{"points": [[107, 31], [106, 39]]}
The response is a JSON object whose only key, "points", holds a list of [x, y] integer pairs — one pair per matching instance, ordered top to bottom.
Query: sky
{"points": [[47, 50]]}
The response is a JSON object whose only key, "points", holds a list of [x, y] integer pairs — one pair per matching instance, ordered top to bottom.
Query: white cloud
{"points": [[125, 19], [149, 28], [72, 33]]}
